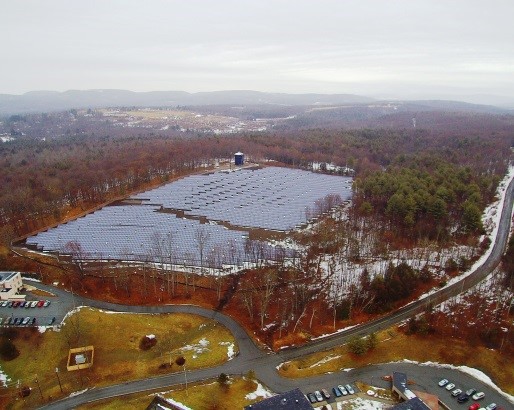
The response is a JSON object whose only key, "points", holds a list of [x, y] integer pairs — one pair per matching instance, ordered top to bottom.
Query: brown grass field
{"points": [[118, 358]]}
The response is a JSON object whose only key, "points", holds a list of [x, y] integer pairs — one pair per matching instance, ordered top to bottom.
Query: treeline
{"points": [[42, 178], [426, 196]]}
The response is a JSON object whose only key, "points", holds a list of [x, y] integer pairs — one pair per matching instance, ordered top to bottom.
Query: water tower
{"points": [[239, 159]]}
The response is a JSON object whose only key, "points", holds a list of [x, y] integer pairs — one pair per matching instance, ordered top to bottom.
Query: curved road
{"points": [[264, 363]]}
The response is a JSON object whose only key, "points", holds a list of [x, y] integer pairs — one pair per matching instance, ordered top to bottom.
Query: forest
{"points": [[418, 192]]}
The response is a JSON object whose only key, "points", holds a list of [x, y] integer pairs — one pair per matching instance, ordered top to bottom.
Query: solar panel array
{"points": [[270, 198], [140, 233]]}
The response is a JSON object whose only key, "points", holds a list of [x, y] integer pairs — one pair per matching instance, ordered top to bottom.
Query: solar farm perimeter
{"points": [[220, 207]]}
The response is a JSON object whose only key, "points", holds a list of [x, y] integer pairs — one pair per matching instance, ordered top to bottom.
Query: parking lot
{"points": [[34, 310], [335, 394]]}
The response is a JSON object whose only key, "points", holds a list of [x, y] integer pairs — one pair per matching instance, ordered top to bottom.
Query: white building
{"points": [[10, 284]]}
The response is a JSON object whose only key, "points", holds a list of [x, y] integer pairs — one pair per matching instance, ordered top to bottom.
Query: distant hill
{"points": [[47, 101]]}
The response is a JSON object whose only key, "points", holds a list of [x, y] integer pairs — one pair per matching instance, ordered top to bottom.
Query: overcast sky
{"points": [[404, 48]]}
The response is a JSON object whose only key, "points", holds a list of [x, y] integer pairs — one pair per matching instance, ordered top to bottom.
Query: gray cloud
{"points": [[388, 48]]}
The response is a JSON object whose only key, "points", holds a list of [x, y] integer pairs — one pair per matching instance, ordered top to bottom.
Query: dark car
{"points": [[22, 303], [33, 321], [51, 321], [337, 392], [312, 398]]}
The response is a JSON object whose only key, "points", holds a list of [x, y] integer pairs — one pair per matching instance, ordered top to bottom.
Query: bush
{"points": [[371, 341], [147, 343], [357, 345], [8, 350], [24, 391]]}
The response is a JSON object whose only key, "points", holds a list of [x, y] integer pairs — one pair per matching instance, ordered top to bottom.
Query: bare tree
{"points": [[202, 238]]}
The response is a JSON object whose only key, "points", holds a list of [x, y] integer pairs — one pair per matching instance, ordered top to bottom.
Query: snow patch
{"points": [[198, 348], [230, 349], [4, 378], [260, 391], [76, 393], [360, 403]]}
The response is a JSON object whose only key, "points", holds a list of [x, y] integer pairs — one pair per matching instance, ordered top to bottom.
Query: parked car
{"points": [[4, 303], [23, 303], [40, 303], [47, 303], [10, 304], [15, 304], [34, 304], [27, 305], [1, 320], [9, 320], [16, 321], [26, 321], [33, 321], [51, 321], [443, 382], [450, 386], [349, 388], [343, 390], [337, 392], [456, 392], [471, 392], [325, 393], [318, 395], [479, 396], [312, 397], [462, 398], [474, 406], [492, 406]]}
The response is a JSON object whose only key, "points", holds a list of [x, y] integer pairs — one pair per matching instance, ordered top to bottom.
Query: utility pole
{"points": [[185, 377], [58, 378], [39, 387]]}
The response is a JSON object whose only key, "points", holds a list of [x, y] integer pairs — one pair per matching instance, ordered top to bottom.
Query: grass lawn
{"points": [[395, 346], [117, 355], [208, 395]]}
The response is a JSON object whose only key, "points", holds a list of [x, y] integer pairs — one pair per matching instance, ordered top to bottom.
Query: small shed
{"points": [[239, 158]]}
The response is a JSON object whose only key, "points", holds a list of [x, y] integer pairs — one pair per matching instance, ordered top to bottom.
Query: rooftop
{"points": [[7, 275], [293, 399]]}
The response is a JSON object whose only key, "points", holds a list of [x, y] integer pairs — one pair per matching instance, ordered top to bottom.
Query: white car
{"points": [[443, 382], [450, 386], [350, 389], [343, 390], [456, 392], [318, 395], [478, 396], [492, 406]]}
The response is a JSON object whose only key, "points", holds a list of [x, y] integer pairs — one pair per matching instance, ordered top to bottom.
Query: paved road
{"points": [[264, 363]]}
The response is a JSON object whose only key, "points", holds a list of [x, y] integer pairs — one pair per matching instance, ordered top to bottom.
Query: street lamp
{"points": [[58, 379]]}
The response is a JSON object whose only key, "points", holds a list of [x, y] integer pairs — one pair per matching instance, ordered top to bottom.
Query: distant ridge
{"points": [[47, 101]]}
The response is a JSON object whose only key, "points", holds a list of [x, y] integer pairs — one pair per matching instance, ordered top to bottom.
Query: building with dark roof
{"points": [[293, 400], [412, 402]]}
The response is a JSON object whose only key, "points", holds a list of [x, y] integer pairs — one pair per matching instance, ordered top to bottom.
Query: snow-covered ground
{"points": [[347, 273], [4, 378], [260, 391], [357, 403]]}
